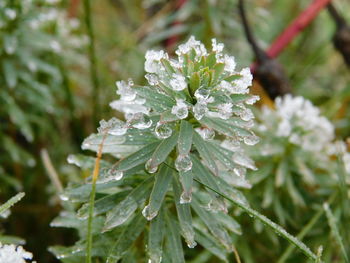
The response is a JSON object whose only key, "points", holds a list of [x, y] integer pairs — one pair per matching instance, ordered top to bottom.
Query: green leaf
{"points": [[10, 73], [195, 82], [157, 101], [18, 117], [185, 138], [202, 148], [163, 150], [138, 157], [282, 172], [186, 180], [161, 185], [11, 202], [102, 205], [126, 208], [184, 216], [229, 222], [213, 225], [278, 229], [127, 238], [155, 238], [210, 244], [174, 246]]}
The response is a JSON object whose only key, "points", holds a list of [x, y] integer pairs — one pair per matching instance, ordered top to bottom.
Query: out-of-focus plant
{"points": [[37, 43], [180, 150], [301, 168]]}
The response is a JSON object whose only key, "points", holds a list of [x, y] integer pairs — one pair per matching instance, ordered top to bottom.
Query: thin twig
{"points": [[51, 172], [92, 200], [235, 252]]}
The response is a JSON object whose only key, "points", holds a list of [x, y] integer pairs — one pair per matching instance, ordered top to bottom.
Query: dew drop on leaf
{"points": [[163, 130], [183, 163], [149, 215]]}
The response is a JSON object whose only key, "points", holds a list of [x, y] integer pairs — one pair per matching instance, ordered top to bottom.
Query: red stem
{"points": [[73, 8], [302, 21], [294, 28]]}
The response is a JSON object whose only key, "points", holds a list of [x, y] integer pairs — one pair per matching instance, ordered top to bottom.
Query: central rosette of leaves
{"points": [[187, 124]]}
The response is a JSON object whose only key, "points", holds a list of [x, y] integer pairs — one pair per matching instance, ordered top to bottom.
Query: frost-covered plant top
{"points": [[199, 86], [297, 120], [185, 129], [294, 156], [14, 254]]}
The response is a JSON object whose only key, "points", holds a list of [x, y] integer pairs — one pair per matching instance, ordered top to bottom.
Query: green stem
{"points": [[93, 61], [11, 202], [90, 218], [278, 229]]}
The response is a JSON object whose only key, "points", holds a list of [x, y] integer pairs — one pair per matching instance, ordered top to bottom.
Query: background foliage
{"points": [[47, 103]]}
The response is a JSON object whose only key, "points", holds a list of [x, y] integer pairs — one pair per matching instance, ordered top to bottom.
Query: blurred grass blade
{"points": [[11, 202], [335, 231]]}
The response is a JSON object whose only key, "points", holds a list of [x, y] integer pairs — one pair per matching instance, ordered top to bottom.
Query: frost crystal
{"points": [[153, 60], [178, 82], [125, 91], [180, 109], [296, 119], [14, 254]]}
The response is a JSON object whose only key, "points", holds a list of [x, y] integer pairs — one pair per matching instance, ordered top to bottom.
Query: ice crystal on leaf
{"points": [[300, 122], [14, 254]]}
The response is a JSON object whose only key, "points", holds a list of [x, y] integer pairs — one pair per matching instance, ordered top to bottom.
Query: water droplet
{"points": [[152, 79], [202, 94], [180, 109], [200, 110], [246, 114], [140, 121], [118, 128], [163, 130], [206, 133], [251, 140], [183, 163], [150, 168], [240, 171], [115, 174], [64, 197], [186, 197], [148, 214], [191, 244]]}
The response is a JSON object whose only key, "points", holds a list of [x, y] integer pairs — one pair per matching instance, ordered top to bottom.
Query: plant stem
{"points": [[93, 62], [92, 201], [277, 228]]}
